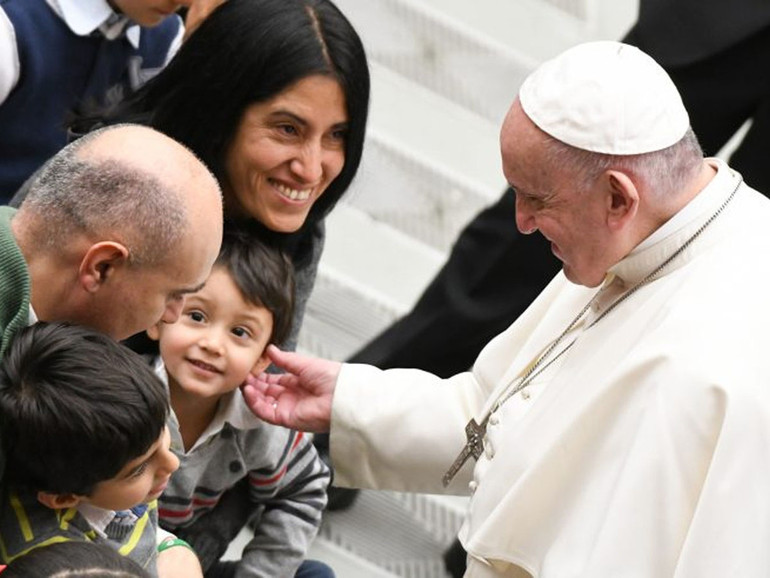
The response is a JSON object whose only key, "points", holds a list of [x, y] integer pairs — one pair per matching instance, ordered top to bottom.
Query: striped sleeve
{"points": [[293, 496]]}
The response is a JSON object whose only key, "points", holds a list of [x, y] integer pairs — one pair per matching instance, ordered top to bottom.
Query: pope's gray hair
{"points": [[663, 173], [104, 199]]}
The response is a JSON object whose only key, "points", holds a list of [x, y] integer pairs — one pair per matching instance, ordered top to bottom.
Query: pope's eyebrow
{"points": [[520, 193]]}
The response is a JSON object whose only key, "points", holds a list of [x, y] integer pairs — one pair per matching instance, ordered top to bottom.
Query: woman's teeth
{"points": [[293, 194]]}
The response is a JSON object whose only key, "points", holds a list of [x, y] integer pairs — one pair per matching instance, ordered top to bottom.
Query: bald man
{"points": [[115, 230]]}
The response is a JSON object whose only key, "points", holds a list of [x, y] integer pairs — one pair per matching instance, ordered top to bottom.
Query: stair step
{"points": [[478, 53], [444, 54], [439, 131], [427, 168], [421, 199], [362, 250], [369, 275], [406, 534], [383, 535], [344, 563]]}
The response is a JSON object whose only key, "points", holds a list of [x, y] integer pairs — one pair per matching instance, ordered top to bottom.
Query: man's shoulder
{"points": [[7, 213]]}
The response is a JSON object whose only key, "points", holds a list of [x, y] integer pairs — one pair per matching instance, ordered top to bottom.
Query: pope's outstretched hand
{"points": [[299, 399]]}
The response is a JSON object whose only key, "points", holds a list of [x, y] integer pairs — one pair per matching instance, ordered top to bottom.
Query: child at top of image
{"points": [[60, 57], [205, 356], [83, 431]]}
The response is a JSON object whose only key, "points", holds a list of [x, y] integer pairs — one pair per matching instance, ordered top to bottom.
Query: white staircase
{"points": [[444, 72]]}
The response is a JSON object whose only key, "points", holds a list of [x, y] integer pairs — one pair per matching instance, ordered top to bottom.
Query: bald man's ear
{"points": [[622, 199], [100, 262]]}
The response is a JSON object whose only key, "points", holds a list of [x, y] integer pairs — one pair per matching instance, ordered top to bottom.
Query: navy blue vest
{"points": [[59, 72]]}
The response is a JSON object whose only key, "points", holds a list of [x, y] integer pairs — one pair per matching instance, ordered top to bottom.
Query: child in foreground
{"points": [[206, 355], [82, 427]]}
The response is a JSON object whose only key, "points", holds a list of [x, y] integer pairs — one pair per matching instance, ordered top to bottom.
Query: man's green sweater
{"points": [[14, 282]]}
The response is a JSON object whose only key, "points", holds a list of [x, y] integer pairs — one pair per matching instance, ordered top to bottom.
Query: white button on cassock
{"points": [[489, 451]]}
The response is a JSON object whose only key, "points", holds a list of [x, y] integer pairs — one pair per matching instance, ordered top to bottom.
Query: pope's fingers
{"points": [[290, 361], [265, 377], [268, 385], [262, 390], [262, 404], [265, 409]]}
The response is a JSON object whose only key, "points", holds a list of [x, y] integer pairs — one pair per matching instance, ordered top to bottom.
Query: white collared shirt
{"points": [[83, 17], [32, 316], [97, 517]]}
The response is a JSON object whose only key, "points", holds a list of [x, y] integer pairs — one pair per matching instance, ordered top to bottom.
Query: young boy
{"points": [[58, 55], [206, 355], [82, 427]]}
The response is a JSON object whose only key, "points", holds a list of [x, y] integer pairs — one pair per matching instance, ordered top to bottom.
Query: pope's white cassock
{"points": [[643, 451]]}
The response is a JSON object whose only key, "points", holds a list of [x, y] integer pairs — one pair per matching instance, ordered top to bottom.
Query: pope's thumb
{"points": [[286, 360]]}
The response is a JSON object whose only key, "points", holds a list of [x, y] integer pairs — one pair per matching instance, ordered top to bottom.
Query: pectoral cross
{"points": [[473, 447]]}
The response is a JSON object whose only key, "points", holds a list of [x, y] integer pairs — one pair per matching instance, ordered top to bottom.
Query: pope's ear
{"points": [[622, 199], [100, 262], [58, 501]]}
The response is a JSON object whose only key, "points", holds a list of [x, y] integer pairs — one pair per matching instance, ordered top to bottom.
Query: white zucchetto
{"points": [[606, 97]]}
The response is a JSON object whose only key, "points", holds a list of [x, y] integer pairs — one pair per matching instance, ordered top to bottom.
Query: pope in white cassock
{"points": [[621, 426]]}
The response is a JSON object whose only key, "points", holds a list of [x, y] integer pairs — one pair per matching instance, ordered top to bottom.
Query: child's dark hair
{"points": [[264, 276], [75, 408], [74, 559]]}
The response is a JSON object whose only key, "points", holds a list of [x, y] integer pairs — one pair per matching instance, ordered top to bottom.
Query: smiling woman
{"points": [[273, 96], [286, 152]]}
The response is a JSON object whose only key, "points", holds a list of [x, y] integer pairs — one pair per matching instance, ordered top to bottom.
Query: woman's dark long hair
{"points": [[248, 51]]}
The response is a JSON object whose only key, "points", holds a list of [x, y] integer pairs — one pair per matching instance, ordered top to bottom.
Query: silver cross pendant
{"points": [[473, 447]]}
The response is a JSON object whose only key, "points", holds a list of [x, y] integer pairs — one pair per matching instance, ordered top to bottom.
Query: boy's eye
{"points": [[196, 316], [241, 332], [139, 470]]}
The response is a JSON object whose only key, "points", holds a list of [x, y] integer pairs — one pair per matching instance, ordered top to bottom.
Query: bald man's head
{"points": [[127, 182], [137, 191]]}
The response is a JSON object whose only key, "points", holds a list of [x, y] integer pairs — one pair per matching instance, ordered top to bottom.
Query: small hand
{"points": [[299, 399]]}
